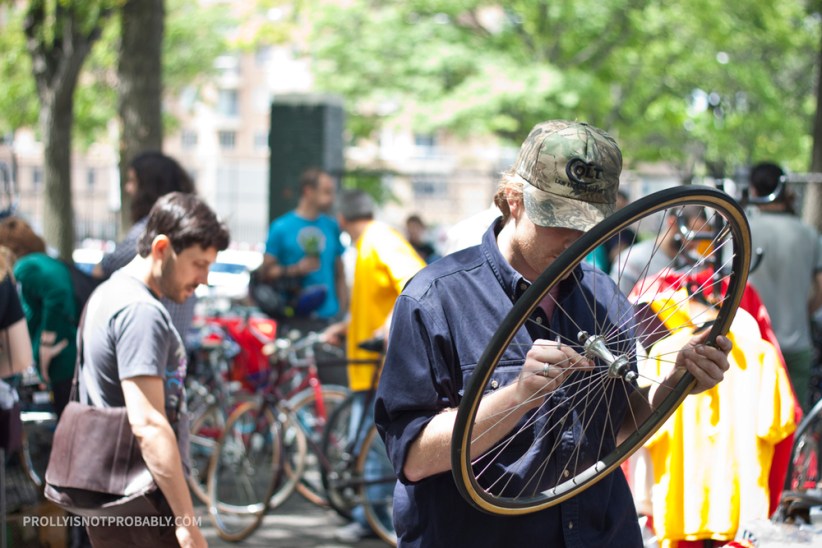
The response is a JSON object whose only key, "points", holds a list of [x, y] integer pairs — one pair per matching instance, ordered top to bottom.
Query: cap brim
{"points": [[549, 210]]}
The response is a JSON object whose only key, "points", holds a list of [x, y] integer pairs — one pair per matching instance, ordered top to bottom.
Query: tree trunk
{"points": [[56, 63], [140, 94], [56, 121], [812, 210]]}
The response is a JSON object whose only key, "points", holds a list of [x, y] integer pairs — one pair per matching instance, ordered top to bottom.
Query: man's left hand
{"points": [[707, 364]]}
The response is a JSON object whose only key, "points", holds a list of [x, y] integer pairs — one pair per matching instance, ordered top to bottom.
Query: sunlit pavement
{"points": [[297, 524]]}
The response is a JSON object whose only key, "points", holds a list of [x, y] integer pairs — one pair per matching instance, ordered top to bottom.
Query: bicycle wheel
{"points": [[312, 419], [206, 428], [38, 433], [570, 441], [338, 451], [805, 465], [244, 470], [377, 486]]}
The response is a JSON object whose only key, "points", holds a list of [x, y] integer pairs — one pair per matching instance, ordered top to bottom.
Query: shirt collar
{"points": [[511, 281]]}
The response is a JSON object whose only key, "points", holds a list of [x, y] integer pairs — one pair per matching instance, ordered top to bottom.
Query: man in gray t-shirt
{"points": [[789, 276], [131, 334], [133, 357]]}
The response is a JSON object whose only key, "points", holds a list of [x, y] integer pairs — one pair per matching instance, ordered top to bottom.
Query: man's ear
{"points": [[516, 203], [160, 246]]}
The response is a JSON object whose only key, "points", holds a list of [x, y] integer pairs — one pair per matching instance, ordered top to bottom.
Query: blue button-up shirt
{"points": [[442, 322]]}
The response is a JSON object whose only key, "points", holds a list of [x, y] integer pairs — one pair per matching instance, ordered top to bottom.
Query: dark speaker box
{"points": [[306, 131]]}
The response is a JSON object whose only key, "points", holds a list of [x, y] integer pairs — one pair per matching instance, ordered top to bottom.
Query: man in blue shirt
{"points": [[563, 183], [304, 245]]}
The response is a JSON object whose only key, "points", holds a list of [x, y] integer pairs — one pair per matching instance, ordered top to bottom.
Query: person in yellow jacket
{"points": [[385, 262]]}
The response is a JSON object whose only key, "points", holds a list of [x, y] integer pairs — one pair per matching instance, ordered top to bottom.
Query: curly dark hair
{"points": [[157, 175]]}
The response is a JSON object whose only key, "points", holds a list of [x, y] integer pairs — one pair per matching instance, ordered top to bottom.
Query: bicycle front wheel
{"points": [[311, 416], [588, 426], [206, 429], [38, 434], [338, 449], [244, 470], [378, 480]]}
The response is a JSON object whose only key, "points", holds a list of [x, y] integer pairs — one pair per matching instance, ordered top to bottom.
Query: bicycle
{"points": [[609, 340], [210, 397], [39, 421], [262, 456], [358, 469]]}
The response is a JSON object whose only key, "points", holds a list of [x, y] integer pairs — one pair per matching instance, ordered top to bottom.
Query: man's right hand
{"points": [[306, 265], [334, 333], [547, 365], [190, 537]]}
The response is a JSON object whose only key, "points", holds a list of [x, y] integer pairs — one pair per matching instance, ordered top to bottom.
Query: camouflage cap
{"points": [[572, 170]]}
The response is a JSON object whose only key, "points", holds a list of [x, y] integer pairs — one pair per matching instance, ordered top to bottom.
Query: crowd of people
{"points": [[403, 288]]}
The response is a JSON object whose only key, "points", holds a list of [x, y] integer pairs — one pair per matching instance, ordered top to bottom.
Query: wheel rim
{"points": [[556, 467], [244, 471], [377, 486]]}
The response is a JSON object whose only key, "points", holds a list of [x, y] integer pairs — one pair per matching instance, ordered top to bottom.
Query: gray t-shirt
{"points": [[792, 255], [639, 261], [128, 333]]}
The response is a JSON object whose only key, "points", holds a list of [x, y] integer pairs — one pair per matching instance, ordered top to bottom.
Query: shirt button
{"points": [[523, 286], [539, 320], [494, 384], [565, 473], [570, 525]]}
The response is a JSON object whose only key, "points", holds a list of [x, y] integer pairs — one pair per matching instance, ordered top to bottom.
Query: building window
{"points": [[263, 55], [228, 102], [188, 139], [228, 139], [261, 140], [426, 144], [37, 177], [425, 186]]}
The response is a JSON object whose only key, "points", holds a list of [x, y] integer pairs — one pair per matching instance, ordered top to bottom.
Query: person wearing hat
{"points": [[564, 182], [385, 262]]}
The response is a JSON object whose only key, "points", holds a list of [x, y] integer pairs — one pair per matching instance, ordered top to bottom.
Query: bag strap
{"points": [[74, 395]]}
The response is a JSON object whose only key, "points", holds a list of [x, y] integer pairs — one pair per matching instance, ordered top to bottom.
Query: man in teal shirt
{"points": [[304, 245]]}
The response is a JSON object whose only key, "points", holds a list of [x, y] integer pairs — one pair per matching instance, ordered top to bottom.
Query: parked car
{"points": [[230, 274]]}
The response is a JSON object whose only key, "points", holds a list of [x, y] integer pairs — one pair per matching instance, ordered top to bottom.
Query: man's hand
{"points": [[306, 265], [334, 333], [48, 351], [707, 364], [547, 365], [190, 537]]}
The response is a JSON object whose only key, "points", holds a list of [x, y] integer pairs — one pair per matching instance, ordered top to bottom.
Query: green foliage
{"points": [[194, 37], [688, 81], [18, 103], [372, 182]]}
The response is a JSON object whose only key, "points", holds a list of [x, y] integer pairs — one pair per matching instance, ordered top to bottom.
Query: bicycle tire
{"points": [[303, 408], [206, 429], [37, 435], [338, 451], [805, 464], [244, 470], [377, 481], [547, 483]]}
